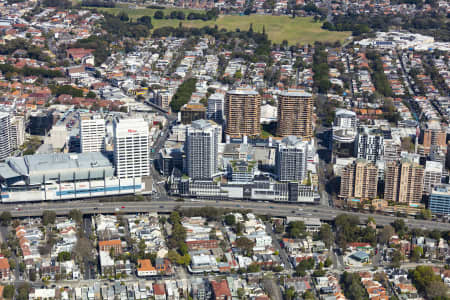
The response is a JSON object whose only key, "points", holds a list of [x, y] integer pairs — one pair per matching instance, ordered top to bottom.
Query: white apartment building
{"points": [[163, 99], [345, 119], [17, 131], [92, 133], [5, 135], [202, 139], [370, 144], [131, 148], [291, 159], [432, 176]]}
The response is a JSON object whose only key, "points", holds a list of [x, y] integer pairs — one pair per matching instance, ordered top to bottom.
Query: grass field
{"points": [[279, 28]]}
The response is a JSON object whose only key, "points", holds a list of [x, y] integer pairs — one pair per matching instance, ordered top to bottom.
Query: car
{"points": [[162, 206], [123, 207], [271, 207]]}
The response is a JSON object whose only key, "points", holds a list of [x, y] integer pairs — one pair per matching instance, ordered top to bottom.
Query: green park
{"points": [[299, 30]]}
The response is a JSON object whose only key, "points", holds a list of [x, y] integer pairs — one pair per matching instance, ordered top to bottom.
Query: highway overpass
{"points": [[272, 209]]}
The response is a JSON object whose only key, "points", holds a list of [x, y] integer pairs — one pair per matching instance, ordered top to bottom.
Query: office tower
{"points": [[163, 99], [215, 107], [295, 109], [191, 112], [242, 112], [40, 122], [17, 131], [92, 131], [344, 133], [5, 135], [434, 135], [202, 142], [369, 144], [131, 148], [291, 159], [432, 176], [359, 180], [403, 182], [440, 200]]}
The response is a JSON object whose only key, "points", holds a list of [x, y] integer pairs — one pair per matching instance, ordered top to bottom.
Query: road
{"points": [[273, 209], [276, 243]]}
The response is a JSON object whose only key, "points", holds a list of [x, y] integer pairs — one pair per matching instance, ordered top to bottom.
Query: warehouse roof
{"points": [[39, 163]]}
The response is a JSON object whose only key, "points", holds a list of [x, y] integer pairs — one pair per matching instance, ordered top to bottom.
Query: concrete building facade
{"points": [[295, 111], [242, 112], [17, 131], [92, 133], [5, 135], [202, 142], [131, 148], [291, 159], [359, 180], [403, 182]]}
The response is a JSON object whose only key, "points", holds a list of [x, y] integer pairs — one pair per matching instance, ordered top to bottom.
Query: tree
{"points": [[159, 14], [123, 16], [147, 21], [238, 74], [183, 94], [91, 95], [425, 214], [76, 215], [48, 217], [5, 218], [174, 218], [230, 220], [400, 227], [279, 228], [296, 229], [346, 229], [325, 234], [385, 234], [245, 244], [83, 250], [416, 254], [64, 256], [396, 259], [328, 262], [12, 263], [303, 266], [253, 268], [32, 275], [423, 277], [353, 289], [437, 290], [8, 291], [23, 291], [241, 293], [290, 293], [308, 295]]}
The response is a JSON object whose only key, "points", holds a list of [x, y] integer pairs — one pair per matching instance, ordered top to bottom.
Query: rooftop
{"points": [[243, 92], [295, 93], [39, 163], [109, 243], [145, 265]]}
